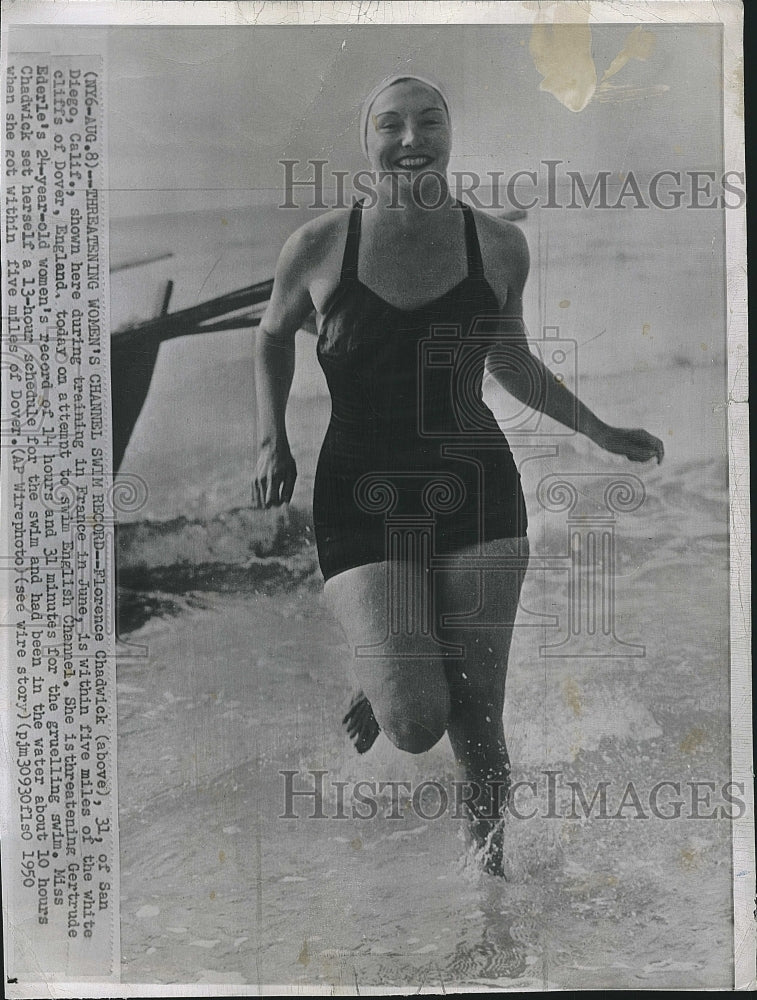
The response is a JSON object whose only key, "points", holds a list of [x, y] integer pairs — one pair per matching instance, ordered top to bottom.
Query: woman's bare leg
{"points": [[477, 681], [406, 687], [415, 697]]}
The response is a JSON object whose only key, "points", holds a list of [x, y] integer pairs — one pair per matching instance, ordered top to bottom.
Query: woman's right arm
{"points": [[290, 304]]}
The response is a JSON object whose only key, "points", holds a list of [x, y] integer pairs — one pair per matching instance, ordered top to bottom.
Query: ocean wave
{"points": [[240, 551]]}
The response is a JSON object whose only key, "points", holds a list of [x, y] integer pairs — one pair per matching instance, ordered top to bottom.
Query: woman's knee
{"points": [[414, 720], [414, 735]]}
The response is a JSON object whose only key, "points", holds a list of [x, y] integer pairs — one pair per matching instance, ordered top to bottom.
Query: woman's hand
{"points": [[636, 444], [275, 476]]}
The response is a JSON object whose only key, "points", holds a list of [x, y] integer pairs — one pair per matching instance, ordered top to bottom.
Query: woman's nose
{"points": [[408, 134]]}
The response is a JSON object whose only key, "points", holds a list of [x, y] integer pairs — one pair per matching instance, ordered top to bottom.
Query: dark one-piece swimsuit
{"points": [[413, 463]]}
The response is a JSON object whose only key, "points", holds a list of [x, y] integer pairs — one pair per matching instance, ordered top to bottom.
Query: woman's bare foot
{"points": [[361, 724]]}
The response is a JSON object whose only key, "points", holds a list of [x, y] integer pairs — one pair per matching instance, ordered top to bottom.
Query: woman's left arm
{"points": [[528, 379]]}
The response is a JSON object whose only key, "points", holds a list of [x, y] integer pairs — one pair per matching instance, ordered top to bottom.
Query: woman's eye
{"points": [[392, 126]]}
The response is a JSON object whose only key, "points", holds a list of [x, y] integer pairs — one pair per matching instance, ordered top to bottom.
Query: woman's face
{"points": [[408, 130]]}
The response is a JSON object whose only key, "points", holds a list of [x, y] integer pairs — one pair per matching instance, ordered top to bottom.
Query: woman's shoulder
{"points": [[318, 235], [500, 235], [312, 249]]}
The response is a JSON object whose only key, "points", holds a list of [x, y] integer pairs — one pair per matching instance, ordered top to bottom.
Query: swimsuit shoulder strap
{"points": [[352, 244], [472, 246]]}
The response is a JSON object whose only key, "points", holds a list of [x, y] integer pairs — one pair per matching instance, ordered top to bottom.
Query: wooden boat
{"points": [[134, 349]]}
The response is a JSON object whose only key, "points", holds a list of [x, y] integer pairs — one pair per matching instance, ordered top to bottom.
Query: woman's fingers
{"points": [[638, 445], [653, 448], [640, 452], [283, 486], [261, 487], [287, 487], [273, 489], [269, 493], [258, 494]]}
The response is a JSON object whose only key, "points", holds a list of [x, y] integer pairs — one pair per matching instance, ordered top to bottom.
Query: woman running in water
{"points": [[416, 485]]}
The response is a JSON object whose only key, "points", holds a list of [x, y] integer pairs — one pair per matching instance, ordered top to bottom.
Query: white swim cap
{"points": [[381, 87]]}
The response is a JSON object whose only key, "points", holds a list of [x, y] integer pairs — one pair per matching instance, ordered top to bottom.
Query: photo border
{"points": [[126, 12]]}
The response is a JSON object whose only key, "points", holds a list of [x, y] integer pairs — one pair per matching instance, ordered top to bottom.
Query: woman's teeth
{"points": [[414, 161]]}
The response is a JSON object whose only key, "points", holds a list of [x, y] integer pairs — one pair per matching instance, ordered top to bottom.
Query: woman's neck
{"points": [[420, 204]]}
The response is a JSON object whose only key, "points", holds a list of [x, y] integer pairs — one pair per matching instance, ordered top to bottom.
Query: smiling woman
{"points": [[436, 114], [406, 134], [416, 489]]}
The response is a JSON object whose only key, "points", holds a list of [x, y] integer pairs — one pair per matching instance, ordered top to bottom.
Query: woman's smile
{"points": [[408, 129], [414, 162]]}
